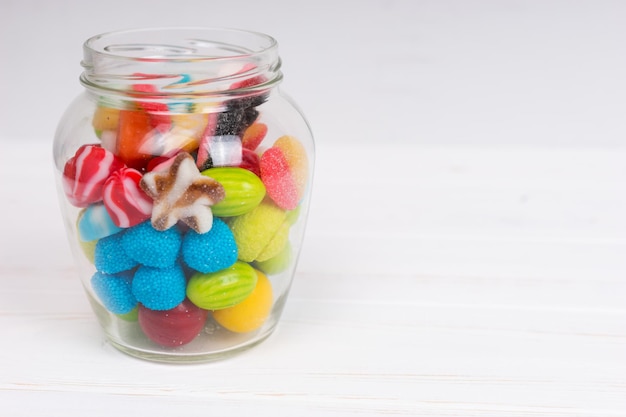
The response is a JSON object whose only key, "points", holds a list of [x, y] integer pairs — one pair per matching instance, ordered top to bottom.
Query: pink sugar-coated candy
{"points": [[295, 154], [284, 170], [86, 172], [279, 183], [126, 203]]}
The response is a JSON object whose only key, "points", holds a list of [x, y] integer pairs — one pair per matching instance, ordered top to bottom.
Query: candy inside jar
{"points": [[184, 177]]}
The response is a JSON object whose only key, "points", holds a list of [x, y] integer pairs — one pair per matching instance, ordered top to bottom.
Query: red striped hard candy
{"points": [[85, 173], [126, 203]]}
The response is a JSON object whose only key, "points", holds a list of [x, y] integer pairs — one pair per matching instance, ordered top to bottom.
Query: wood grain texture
{"points": [[451, 281]]}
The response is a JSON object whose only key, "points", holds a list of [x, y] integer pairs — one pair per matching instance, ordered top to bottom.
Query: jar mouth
{"points": [[181, 60]]}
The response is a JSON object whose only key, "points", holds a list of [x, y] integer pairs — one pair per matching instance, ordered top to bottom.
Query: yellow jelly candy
{"points": [[105, 118], [260, 232], [89, 249], [278, 263], [251, 313]]}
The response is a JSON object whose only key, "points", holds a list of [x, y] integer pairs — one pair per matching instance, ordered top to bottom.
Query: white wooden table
{"points": [[438, 282]]}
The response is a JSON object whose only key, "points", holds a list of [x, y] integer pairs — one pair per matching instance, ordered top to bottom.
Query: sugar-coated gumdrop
{"points": [[284, 171], [85, 173], [279, 182], [125, 201], [254, 231], [276, 243], [152, 247], [210, 251], [110, 257], [276, 264], [159, 288], [114, 291], [251, 313], [175, 327]]}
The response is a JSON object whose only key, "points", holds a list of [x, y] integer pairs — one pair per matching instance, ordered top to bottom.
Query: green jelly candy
{"points": [[244, 190], [222, 289]]}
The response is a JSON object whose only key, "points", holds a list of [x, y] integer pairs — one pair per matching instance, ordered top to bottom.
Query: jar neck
{"points": [[174, 63]]}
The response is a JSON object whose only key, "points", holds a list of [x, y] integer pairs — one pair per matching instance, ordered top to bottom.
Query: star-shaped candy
{"points": [[180, 192]]}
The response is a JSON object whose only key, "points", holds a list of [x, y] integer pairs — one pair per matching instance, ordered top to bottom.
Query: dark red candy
{"points": [[250, 161], [175, 327]]}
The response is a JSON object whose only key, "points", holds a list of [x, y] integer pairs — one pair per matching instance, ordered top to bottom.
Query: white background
{"points": [[511, 72], [465, 250]]}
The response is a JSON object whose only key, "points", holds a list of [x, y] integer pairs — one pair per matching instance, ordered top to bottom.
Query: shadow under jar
{"points": [[184, 176]]}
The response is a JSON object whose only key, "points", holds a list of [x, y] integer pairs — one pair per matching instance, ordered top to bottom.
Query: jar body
{"points": [[185, 212]]}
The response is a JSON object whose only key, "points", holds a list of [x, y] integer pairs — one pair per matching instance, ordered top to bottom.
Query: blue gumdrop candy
{"points": [[96, 223], [152, 247], [210, 251], [110, 257], [159, 289], [114, 291]]}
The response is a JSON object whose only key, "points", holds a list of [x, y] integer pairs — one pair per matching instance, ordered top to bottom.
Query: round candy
{"points": [[105, 118], [84, 174], [125, 201], [95, 223], [262, 231], [152, 247], [210, 251], [110, 257], [278, 263], [159, 288], [222, 289], [114, 291], [251, 313], [175, 327]]}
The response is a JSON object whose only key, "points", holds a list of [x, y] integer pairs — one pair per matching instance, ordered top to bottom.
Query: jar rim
{"points": [[129, 43], [181, 60]]}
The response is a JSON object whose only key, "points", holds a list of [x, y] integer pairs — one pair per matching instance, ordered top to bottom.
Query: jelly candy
{"points": [[251, 313], [175, 327]]}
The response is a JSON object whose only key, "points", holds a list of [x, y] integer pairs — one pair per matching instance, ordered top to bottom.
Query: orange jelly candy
{"points": [[133, 135]]}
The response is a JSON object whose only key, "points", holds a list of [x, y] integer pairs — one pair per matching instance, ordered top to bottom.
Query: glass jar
{"points": [[184, 177]]}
